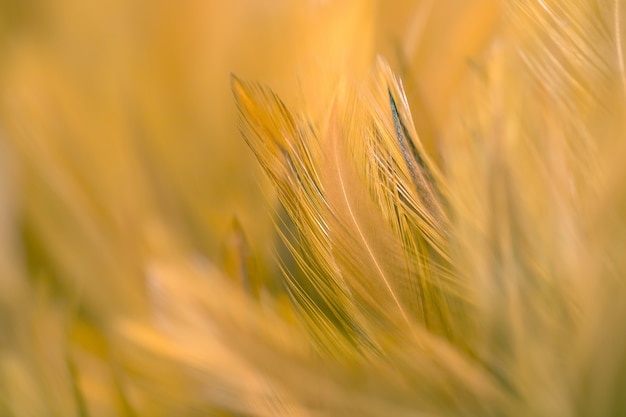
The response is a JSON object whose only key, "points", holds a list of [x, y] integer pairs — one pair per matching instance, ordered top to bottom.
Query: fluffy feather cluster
{"points": [[446, 191]]}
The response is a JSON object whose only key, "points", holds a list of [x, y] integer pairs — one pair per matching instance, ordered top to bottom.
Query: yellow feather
{"points": [[443, 235]]}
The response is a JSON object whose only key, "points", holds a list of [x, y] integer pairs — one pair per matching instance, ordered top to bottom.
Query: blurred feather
{"points": [[449, 244]]}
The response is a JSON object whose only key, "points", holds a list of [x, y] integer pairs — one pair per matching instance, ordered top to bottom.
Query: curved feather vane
{"points": [[352, 207], [371, 228]]}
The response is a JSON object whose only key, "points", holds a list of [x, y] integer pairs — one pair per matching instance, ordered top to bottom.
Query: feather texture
{"points": [[371, 228], [451, 244]]}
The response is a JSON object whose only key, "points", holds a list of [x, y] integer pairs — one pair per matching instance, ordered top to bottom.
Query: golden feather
{"points": [[449, 240]]}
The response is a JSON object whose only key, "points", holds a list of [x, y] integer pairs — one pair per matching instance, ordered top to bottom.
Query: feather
{"points": [[359, 221], [452, 238]]}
